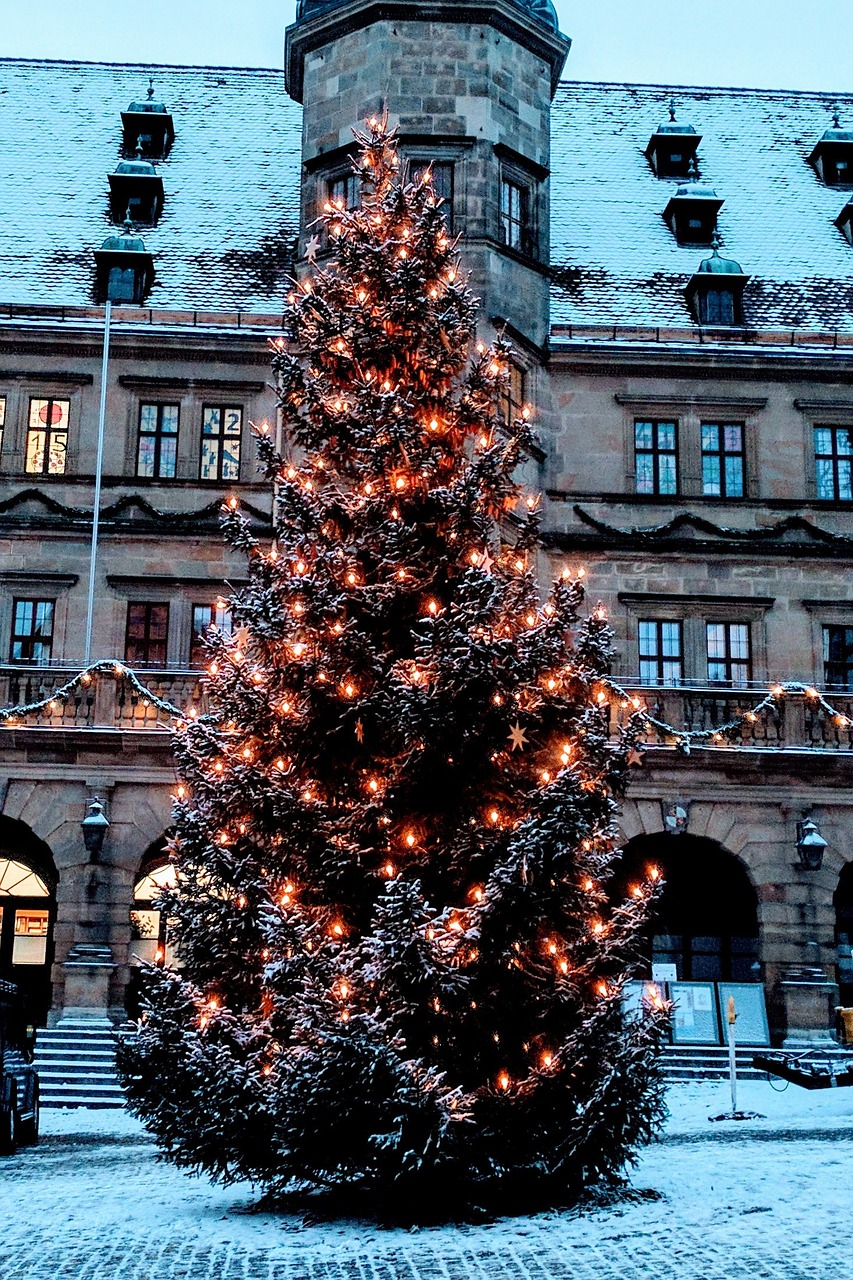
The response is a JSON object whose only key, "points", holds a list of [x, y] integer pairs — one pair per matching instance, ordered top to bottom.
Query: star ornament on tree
{"points": [[312, 248], [359, 730], [517, 737]]}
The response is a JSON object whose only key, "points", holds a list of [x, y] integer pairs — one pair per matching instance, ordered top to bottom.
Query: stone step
{"points": [[76, 1065], [68, 1101]]}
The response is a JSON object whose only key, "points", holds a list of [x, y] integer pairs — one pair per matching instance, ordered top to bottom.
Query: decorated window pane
{"points": [[221, 430], [47, 437], [32, 631]]}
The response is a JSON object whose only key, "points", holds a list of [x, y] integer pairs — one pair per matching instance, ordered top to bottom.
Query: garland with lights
{"points": [[684, 739], [402, 960]]}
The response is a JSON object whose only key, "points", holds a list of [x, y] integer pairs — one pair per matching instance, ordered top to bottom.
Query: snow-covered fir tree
{"points": [[401, 966]]}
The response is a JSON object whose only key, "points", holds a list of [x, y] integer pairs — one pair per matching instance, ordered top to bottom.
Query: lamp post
{"points": [[95, 827], [810, 845]]}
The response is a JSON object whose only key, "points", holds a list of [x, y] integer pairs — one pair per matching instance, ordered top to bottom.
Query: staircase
{"points": [[75, 1061]]}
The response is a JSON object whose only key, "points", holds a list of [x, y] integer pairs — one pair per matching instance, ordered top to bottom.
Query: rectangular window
{"points": [[442, 182], [344, 190], [516, 214], [512, 396], [2, 421], [221, 426], [47, 437], [158, 441], [656, 450], [833, 452], [722, 460], [205, 616], [32, 631], [147, 634], [661, 652], [729, 656], [838, 657]]}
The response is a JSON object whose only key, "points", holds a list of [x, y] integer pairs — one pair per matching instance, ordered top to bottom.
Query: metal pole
{"points": [[96, 515], [732, 1019]]}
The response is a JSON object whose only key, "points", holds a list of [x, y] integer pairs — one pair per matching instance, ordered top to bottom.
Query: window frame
{"points": [[349, 178], [512, 178], [447, 201], [3, 403], [510, 407], [48, 431], [158, 435], [220, 437], [656, 453], [722, 454], [834, 457], [221, 618], [15, 636], [147, 641], [659, 658], [729, 659], [847, 663]]}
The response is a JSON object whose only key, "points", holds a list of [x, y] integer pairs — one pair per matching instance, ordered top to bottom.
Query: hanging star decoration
{"points": [[312, 248], [486, 562], [241, 635], [359, 730], [517, 737], [635, 757]]}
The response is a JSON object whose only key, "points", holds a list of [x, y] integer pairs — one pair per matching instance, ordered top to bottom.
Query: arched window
{"points": [[148, 925]]}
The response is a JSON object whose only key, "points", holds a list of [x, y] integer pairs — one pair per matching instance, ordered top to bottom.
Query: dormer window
{"points": [[149, 126], [672, 149], [833, 155], [136, 191], [692, 213], [124, 269], [715, 292]]}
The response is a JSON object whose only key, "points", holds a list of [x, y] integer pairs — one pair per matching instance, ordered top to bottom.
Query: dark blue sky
{"points": [[758, 43]]}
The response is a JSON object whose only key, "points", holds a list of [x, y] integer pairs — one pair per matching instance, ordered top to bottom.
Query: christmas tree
{"points": [[400, 964]]}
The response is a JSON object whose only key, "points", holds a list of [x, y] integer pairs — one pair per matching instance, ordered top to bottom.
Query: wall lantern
{"points": [[95, 827], [810, 845]]}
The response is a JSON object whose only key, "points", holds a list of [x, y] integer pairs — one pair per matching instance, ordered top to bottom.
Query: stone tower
{"points": [[469, 84]]}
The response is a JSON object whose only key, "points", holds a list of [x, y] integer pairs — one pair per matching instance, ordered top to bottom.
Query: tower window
{"points": [[442, 183], [344, 190], [517, 214], [512, 396], [221, 427], [47, 437], [158, 440], [833, 450], [656, 451], [722, 460], [32, 631], [147, 633], [661, 652], [729, 656], [838, 657]]}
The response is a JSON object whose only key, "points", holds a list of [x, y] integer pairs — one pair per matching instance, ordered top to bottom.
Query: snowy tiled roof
{"points": [[225, 236], [224, 239], [618, 260]]}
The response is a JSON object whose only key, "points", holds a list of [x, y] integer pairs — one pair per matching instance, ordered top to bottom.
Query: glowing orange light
{"points": [[410, 839], [503, 1081]]}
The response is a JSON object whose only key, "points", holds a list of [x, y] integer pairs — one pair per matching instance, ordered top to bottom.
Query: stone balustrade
{"points": [[104, 701]]}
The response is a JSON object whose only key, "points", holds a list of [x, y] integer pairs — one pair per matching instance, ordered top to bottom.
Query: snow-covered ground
{"points": [[768, 1199]]}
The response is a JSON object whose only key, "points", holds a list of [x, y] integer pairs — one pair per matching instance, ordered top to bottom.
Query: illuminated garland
{"points": [[105, 666], [684, 739]]}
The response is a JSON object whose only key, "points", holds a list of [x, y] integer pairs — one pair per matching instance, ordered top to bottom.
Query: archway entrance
{"points": [[843, 902], [27, 915], [706, 923]]}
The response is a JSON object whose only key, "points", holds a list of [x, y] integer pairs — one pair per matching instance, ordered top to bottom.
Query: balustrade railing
{"points": [[108, 700], [102, 701]]}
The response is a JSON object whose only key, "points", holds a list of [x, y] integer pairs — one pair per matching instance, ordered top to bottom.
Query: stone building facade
{"points": [[695, 428]]}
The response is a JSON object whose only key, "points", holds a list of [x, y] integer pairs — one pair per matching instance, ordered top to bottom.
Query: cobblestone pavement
{"points": [[763, 1202]]}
